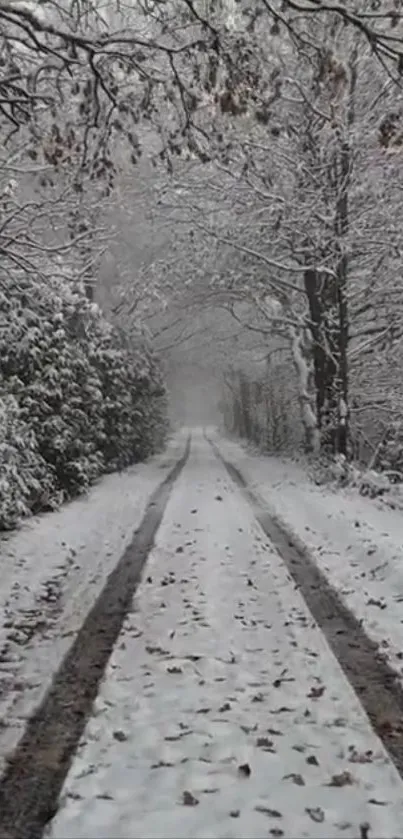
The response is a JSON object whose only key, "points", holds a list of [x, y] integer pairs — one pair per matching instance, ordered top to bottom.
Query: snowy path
{"points": [[358, 544], [52, 571], [223, 712]]}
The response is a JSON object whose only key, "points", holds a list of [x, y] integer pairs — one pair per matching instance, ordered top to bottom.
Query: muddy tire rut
{"points": [[376, 684], [35, 773]]}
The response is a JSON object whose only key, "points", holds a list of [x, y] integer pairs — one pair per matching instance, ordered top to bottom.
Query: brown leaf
{"points": [[151, 649], [174, 669], [316, 692], [225, 707], [282, 710], [248, 728], [120, 736], [264, 743], [361, 757], [312, 760], [161, 764], [244, 769], [295, 778], [344, 779], [189, 799], [235, 814], [274, 814], [316, 814]]}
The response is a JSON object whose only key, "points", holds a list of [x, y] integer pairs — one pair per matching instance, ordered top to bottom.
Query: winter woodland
{"points": [[198, 194]]}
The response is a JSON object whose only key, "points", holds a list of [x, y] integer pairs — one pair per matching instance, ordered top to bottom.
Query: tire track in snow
{"points": [[375, 683], [35, 773]]}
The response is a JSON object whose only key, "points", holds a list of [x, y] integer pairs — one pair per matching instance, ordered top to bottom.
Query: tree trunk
{"points": [[300, 352]]}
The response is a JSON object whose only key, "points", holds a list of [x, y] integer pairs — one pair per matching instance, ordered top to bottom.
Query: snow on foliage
{"points": [[75, 402]]}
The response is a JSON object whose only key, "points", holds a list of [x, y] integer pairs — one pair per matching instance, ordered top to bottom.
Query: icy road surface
{"points": [[223, 712]]}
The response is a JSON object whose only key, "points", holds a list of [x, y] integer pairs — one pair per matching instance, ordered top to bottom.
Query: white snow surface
{"points": [[353, 539], [52, 571], [223, 712]]}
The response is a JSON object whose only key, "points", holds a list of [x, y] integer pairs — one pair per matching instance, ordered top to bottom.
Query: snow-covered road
{"points": [[223, 712]]}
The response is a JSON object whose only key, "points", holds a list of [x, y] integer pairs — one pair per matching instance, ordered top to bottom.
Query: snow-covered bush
{"points": [[74, 401], [27, 482]]}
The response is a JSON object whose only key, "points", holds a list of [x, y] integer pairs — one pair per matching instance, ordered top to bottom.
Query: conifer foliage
{"points": [[74, 401]]}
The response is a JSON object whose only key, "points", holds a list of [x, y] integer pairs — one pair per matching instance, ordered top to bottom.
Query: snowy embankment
{"points": [[356, 543], [52, 571], [223, 712]]}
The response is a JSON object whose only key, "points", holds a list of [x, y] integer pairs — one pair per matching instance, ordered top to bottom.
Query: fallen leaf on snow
{"points": [[373, 602], [150, 649], [174, 669], [316, 692], [258, 697], [282, 710], [248, 728], [120, 736], [265, 743], [360, 757], [312, 760], [162, 764], [244, 769], [295, 778], [344, 779], [189, 799], [378, 803], [235, 814], [274, 814], [316, 814]]}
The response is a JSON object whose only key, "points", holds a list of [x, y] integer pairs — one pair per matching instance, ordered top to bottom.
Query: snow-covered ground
{"points": [[356, 542], [52, 571], [223, 712]]}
